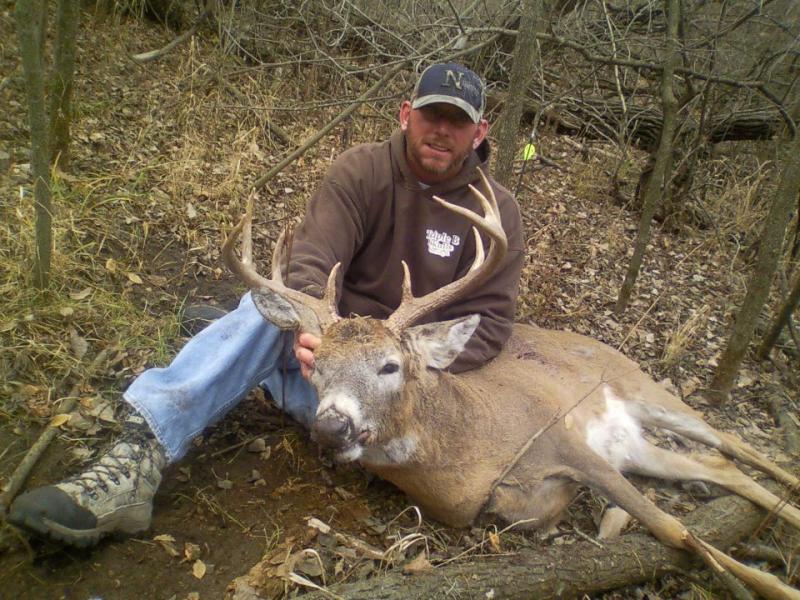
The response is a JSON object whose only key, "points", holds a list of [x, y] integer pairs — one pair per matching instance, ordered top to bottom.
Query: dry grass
{"points": [[163, 160], [739, 199], [91, 300], [681, 339]]}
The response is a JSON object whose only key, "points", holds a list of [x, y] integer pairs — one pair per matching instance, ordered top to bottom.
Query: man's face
{"points": [[439, 138]]}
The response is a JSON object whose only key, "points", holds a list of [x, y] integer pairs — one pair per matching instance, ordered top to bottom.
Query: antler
{"points": [[324, 309], [412, 309]]}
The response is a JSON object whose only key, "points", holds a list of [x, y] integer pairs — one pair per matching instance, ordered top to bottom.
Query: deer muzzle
{"points": [[333, 430]]}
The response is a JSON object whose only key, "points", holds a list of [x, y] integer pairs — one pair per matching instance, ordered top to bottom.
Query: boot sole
{"points": [[132, 519]]}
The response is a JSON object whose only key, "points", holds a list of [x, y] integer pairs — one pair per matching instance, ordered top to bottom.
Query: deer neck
{"points": [[423, 423]]}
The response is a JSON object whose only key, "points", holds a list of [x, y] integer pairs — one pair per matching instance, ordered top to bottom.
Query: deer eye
{"points": [[389, 368]]}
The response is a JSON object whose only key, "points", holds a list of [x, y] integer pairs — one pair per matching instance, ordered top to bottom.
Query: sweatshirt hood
{"points": [[468, 173]]}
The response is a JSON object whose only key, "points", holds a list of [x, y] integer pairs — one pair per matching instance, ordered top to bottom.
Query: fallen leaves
{"points": [[134, 278], [81, 295], [77, 344], [59, 420], [257, 445], [494, 541], [167, 542], [191, 554], [418, 565], [199, 569]]}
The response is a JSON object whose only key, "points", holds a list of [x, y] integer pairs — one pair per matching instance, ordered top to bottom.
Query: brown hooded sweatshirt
{"points": [[371, 212]]}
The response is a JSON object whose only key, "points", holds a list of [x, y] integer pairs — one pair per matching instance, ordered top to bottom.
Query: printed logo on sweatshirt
{"points": [[441, 244]]}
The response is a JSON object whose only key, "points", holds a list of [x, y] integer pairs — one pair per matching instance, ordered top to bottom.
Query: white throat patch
{"points": [[397, 451]]}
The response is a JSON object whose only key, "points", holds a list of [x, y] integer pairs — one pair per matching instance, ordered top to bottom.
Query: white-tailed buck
{"points": [[515, 438]]}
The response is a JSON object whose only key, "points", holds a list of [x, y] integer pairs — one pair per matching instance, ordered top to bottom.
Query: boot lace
{"points": [[130, 449]]}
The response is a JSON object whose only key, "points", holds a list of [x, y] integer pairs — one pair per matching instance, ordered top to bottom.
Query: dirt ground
{"points": [[169, 154], [232, 527]]}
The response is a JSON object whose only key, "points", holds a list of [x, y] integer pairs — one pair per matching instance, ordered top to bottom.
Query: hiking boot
{"points": [[196, 317], [115, 494]]}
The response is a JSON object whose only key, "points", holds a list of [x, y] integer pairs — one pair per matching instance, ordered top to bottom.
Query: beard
{"points": [[438, 166]]}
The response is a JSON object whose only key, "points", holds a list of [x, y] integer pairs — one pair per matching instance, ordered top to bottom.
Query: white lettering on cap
{"points": [[456, 77]]}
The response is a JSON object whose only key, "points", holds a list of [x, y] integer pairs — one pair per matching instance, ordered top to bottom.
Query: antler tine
{"points": [[247, 231], [479, 254], [277, 258], [243, 269], [329, 297], [324, 309], [412, 309]]}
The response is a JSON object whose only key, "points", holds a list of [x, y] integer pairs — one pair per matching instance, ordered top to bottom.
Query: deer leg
{"points": [[698, 430], [657, 462], [589, 468], [540, 508], [612, 523]]}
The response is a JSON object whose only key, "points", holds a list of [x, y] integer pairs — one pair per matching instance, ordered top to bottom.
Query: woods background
{"points": [[660, 206]]}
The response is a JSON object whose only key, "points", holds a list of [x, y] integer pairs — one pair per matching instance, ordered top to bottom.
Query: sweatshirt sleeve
{"points": [[332, 230], [495, 301]]}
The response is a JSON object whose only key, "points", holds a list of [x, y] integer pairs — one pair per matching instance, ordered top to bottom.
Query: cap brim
{"points": [[437, 98]]}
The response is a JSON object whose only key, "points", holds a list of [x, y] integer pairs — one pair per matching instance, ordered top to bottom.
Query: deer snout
{"points": [[332, 430]]}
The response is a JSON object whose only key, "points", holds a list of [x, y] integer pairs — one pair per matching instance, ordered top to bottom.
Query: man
{"points": [[373, 210]]}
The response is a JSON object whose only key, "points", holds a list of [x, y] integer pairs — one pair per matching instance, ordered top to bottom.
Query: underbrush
{"points": [[163, 159], [94, 299]]}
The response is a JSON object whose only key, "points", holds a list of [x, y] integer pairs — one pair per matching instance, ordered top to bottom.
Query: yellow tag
{"points": [[529, 152]]}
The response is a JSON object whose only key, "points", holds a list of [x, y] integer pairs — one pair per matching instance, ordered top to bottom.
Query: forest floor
{"points": [[162, 158]]}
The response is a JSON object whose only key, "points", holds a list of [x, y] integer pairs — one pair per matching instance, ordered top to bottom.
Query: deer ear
{"points": [[285, 314], [440, 343]]}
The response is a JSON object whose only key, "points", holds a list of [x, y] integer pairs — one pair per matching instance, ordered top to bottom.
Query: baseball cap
{"points": [[454, 84]]}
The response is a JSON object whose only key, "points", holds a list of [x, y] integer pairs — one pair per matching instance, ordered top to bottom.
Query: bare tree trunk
{"points": [[30, 16], [521, 75], [61, 84], [663, 158], [769, 252], [790, 303], [574, 571]]}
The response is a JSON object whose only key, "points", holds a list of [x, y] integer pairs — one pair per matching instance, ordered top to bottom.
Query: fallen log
{"points": [[600, 118], [565, 571]]}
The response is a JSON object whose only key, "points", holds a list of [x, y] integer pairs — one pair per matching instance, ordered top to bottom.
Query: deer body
{"points": [[516, 437], [449, 438]]}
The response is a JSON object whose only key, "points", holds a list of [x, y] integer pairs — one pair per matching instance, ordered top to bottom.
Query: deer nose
{"points": [[332, 430]]}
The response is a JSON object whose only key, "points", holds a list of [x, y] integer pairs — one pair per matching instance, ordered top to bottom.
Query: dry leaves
{"points": [[167, 542], [418, 565], [199, 569]]}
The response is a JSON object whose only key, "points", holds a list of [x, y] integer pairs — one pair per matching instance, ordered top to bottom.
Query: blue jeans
{"points": [[214, 371]]}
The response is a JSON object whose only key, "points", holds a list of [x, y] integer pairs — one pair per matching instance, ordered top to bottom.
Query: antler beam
{"points": [[324, 308], [412, 309]]}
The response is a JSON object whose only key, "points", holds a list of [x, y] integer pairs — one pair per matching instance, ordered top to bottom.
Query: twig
{"points": [[457, 17], [145, 57], [365, 97], [273, 127], [313, 139], [587, 149], [658, 298], [553, 420], [231, 448], [24, 468], [587, 537], [483, 542], [762, 552], [733, 585]]}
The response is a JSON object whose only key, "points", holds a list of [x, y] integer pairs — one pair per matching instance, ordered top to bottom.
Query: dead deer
{"points": [[515, 438]]}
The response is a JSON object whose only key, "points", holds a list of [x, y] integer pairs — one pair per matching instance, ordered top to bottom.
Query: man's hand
{"points": [[304, 346]]}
